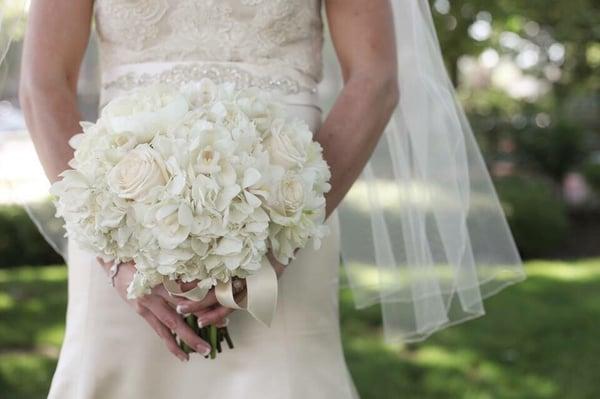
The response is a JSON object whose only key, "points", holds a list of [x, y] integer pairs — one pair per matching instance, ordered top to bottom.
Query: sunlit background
{"points": [[528, 75]]}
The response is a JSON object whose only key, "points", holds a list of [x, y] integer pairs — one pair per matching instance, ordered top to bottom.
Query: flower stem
{"points": [[191, 321], [212, 334], [227, 338], [213, 341]]}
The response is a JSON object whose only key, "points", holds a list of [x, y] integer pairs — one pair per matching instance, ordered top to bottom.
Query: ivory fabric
{"points": [[284, 33], [109, 352]]}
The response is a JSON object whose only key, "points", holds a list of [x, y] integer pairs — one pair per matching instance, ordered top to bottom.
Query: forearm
{"points": [[52, 117], [352, 130]]}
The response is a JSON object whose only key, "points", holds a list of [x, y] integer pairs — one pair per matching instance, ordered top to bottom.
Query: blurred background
{"points": [[528, 75]]}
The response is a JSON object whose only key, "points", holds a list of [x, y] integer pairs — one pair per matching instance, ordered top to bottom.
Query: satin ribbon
{"points": [[261, 293]]}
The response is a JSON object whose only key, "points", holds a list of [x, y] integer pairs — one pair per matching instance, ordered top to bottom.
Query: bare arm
{"points": [[363, 34], [57, 35], [364, 39], [55, 42]]}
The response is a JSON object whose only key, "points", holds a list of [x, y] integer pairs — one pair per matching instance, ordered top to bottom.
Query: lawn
{"points": [[540, 339]]}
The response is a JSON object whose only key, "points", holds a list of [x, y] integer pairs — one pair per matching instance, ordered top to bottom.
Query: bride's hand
{"points": [[157, 309], [209, 311]]}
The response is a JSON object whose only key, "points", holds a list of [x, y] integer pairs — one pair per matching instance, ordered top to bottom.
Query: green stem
{"points": [[191, 320], [212, 334], [228, 338], [219, 339], [213, 341]]}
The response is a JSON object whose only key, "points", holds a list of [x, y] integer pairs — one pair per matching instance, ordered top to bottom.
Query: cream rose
{"points": [[286, 148], [137, 173], [288, 198]]}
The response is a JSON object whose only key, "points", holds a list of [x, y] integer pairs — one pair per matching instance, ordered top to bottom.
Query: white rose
{"points": [[145, 112], [287, 144], [137, 173], [287, 200]]}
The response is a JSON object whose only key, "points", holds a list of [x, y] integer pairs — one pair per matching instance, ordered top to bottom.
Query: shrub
{"points": [[553, 151], [591, 171], [537, 217], [20, 241]]}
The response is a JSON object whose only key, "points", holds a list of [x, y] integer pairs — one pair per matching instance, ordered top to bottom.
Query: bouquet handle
{"points": [[261, 293]]}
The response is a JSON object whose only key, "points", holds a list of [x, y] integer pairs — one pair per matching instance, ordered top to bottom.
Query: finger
{"points": [[161, 291], [238, 298], [186, 306], [203, 311], [214, 316], [223, 322], [175, 323], [219, 323], [165, 334]]}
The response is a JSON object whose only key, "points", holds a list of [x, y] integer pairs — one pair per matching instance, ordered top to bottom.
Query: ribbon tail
{"points": [[261, 294]]}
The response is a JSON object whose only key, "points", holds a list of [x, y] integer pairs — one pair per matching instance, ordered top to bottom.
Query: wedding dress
{"points": [[111, 353]]}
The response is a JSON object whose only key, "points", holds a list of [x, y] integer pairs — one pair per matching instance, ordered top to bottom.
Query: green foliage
{"points": [[573, 23], [571, 80], [554, 150], [591, 171], [537, 218], [20, 241], [32, 310], [507, 354]]}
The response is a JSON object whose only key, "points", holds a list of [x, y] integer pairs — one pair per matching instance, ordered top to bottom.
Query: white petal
{"points": [[251, 176], [176, 185], [227, 195], [252, 199], [165, 211], [185, 216], [228, 246], [232, 262]]}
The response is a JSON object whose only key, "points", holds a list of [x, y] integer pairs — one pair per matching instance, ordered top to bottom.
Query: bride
{"points": [[433, 259]]}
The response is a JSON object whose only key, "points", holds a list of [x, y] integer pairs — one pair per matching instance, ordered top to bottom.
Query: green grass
{"points": [[539, 339]]}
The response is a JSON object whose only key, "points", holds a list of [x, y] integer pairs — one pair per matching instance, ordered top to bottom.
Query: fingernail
{"points": [[182, 309], [224, 322], [200, 323], [203, 350], [183, 358]]}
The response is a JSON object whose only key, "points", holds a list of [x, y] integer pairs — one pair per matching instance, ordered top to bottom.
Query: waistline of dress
{"points": [[287, 84]]}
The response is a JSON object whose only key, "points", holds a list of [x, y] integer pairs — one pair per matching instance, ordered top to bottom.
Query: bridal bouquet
{"points": [[194, 184]]}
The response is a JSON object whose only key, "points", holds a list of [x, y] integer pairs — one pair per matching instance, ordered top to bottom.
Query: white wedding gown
{"points": [[109, 352]]}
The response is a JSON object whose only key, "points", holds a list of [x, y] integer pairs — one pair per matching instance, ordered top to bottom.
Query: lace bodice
{"points": [[279, 33]]}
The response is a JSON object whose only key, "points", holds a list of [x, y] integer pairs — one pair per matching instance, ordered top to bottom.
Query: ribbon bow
{"points": [[261, 293]]}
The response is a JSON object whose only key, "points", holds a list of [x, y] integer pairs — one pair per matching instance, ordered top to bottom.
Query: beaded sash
{"points": [[291, 84]]}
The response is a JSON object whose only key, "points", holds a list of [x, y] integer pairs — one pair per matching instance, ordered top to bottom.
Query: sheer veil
{"points": [[422, 231]]}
